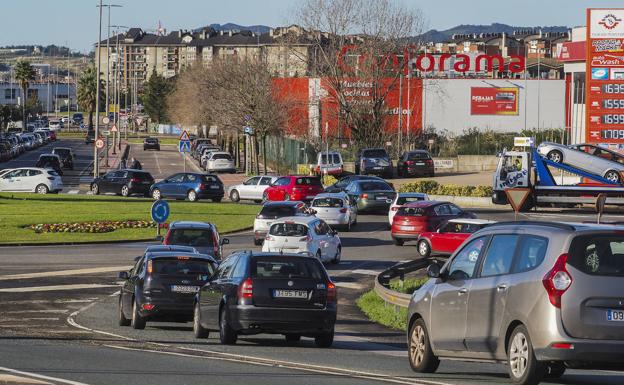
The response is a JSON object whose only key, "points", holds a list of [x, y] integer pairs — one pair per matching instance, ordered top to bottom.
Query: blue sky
{"points": [[75, 21]]}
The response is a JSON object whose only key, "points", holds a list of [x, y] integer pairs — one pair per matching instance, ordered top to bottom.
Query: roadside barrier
{"points": [[382, 281]]}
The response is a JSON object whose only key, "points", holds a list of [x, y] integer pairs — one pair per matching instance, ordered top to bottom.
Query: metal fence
{"points": [[283, 154]]}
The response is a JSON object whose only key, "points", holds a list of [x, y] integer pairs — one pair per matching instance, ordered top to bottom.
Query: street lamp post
{"points": [[96, 166]]}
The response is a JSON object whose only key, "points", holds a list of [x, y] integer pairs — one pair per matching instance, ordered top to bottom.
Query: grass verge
{"points": [[20, 209], [378, 311]]}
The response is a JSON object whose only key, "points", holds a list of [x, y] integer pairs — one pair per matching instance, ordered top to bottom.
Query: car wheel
{"points": [[555, 156], [613, 176], [42, 189], [125, 191], [156, 195], [191, 195], [234, 196], [398, 242], [423, 249], [336, 259], [123, 321], [137, 322], [198, 330], [227, 335], [292, 337], [324, 340], [421, 355], [522, 365], [555, 370]]}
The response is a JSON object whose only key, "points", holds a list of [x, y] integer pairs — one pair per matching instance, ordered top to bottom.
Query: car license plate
{"points": [[420, 163], [377, 168], [214, 186], [309, 196], [381, 198], [408, 228], [184, 289], [290, 294], [615, 315]]}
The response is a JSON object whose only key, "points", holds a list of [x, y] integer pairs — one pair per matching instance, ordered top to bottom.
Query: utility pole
{"points": [[108, 50], [68, 93], [96, 166]]}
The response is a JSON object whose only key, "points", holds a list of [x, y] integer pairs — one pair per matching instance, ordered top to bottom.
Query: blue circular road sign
{"points": [[82, 125], [160, 211]]}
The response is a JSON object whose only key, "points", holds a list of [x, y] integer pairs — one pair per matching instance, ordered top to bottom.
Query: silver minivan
{"points": [[540, 296]]}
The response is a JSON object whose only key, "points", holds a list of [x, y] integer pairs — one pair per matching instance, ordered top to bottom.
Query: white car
{"points": [[55, 124], [205, 154], [220, 161], [31, 179], [252, 188], [402, 198], [336, 209], [272, 211], [307, 235]]}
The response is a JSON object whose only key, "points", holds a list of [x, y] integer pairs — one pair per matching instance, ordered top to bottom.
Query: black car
{"points": [[151, 144], [66, 155], [50, 161], [374, 161], [415, 163], [124, 182], [344, 182], [162, 286], [273, 293]]}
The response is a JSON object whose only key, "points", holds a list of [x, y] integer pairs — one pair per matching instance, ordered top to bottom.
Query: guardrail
{"points": [[382, 281]]}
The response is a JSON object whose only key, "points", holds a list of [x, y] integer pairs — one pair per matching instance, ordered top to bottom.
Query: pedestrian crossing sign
{"points": [[185, 137], [184, 146]]}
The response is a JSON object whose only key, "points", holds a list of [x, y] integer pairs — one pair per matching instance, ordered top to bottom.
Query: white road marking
{"points": [[157, 163], [73, 191], [366, 272], [59, 273], [349, 285], [53, 288], [115, 294], [86, 300], [51, 311], [29, 319], [41, 377], [11, 379]]}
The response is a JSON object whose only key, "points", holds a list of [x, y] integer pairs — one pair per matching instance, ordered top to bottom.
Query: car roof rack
{"points": [[559, 225]]}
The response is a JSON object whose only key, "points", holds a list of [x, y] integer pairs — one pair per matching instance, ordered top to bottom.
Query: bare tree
{"points": [[361, 48]]}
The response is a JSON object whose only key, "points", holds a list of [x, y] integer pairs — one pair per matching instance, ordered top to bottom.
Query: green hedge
{"points": [[434, 188]]}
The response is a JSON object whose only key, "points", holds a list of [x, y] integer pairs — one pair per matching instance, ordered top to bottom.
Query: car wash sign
{"points": [[605, 76]]}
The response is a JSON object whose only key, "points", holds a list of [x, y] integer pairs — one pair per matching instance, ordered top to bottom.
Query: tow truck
{"points": [[573, 186]]}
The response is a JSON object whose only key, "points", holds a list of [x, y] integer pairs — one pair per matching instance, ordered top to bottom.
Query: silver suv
{"points": [[540, 296]]}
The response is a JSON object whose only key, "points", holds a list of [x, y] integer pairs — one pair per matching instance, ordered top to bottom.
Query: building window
{"points": [[10, 94]]}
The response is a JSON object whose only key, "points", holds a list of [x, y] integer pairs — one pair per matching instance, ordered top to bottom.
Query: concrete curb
{"points": [[485, 202], [105, 242]]}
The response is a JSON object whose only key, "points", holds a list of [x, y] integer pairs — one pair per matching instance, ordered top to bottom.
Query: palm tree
{"points": [[24, 73], [87, 90]]}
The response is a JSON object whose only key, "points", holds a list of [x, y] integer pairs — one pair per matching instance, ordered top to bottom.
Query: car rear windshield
{"points": [[151, 140], [61, 151], [377, 153], [418, 155], [222, 156], [333, 158], [48, 159], [142, 175], [211, 179], [308, 181], [374, 185], [404, 200], [327, 202], [411, 211], [273, 212], [289, 230], [191, 237], [598, 254], [182, 266], [286, 267]]}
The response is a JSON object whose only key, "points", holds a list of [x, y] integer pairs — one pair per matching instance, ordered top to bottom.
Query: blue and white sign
{"points": [[82, 126], [248, 130], [184, 146], [160, 211]]}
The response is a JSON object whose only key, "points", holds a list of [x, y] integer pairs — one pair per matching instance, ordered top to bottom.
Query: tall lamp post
{"points": [[117, 80], [96, 166]]}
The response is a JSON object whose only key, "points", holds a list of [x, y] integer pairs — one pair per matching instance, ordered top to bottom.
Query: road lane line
{"points": [[59, 273], [53, 288], [36, 311], [41, 377]]}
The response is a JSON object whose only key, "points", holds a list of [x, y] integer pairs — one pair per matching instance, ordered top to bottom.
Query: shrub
{"points": [[328, 180], [434, 188], [90, 227], [409, 285], [378, 311]]}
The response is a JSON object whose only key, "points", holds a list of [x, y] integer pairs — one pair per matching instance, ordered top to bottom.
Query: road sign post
{"points": [[114, 131], [184, 145], [517, 197], [160, 213]]}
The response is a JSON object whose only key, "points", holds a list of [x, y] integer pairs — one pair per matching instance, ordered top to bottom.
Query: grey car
{"points": [[583, 158], [540, 296]]}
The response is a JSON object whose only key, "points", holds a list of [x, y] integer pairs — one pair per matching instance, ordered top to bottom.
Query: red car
{"points": [[293, 188], [415, 218], [449, 236]]}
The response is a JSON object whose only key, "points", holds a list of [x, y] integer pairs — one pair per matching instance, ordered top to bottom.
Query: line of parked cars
{"points": [[14, 144], [211, 158]]}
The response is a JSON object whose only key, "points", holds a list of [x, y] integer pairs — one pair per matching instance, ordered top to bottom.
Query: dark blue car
{"points": [[189, 185]]}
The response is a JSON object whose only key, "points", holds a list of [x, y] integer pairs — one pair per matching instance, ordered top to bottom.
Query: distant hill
{"points": [[232, 26], [442, 36]]}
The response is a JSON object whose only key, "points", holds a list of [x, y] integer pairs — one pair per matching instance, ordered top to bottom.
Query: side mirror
{"points": [[389, 201], [225, 241], [433, 271], [123, 275]]}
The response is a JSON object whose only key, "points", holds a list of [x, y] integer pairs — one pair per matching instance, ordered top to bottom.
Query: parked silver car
{"points": [[585, 160], [220, 161], [252, 188], [336, 209], [540, 296]]}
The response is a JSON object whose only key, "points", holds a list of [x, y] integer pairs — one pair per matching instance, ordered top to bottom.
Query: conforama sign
{"points": [[426, 62]]}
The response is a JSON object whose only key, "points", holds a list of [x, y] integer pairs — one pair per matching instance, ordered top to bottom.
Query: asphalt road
{"points": [[58, 320]]}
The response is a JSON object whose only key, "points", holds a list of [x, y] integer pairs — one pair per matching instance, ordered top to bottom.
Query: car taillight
{"points": [[409, 162], [429, 162], [135, 180], [202, 186], [364, 196], [343, 210], [268, 238], [305, 239], [150, 267], [557, 281], [245, 290], [332, 294], [147, 306]]}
